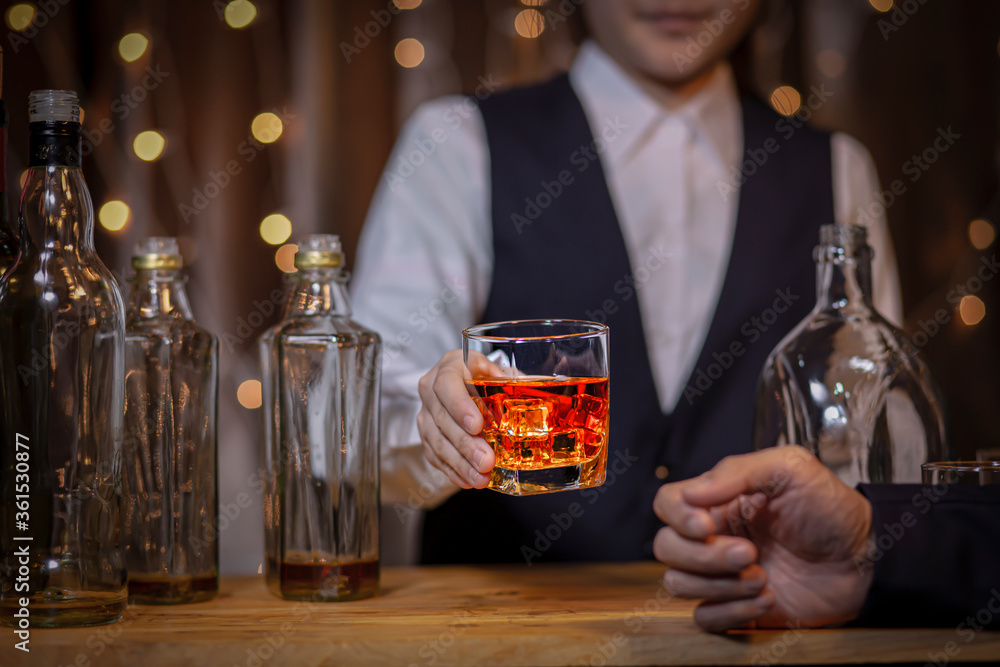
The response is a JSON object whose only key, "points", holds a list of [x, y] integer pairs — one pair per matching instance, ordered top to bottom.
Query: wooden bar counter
{"points": [[497, 615]]}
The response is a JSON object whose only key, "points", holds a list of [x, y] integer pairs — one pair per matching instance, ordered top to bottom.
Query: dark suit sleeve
{"points": [[936, 556]]}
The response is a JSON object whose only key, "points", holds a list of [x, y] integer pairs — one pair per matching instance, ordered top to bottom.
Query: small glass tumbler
{"points": [[542, 388], [966, 473]]}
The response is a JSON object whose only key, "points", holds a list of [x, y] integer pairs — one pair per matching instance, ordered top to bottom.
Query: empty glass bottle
{"points": [[62, 372], [320, 379], [845, 383], [171, 399]]}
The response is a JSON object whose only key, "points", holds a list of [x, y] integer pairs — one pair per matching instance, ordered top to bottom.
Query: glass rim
{"points": [[595, 329], [963, 466]]}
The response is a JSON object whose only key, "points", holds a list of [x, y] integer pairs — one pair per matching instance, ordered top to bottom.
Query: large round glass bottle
{"points": [[848, 385]]}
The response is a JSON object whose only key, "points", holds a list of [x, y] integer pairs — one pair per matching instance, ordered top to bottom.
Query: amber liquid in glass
{"points": [[548, 434], [326, 582], [166, 589]]}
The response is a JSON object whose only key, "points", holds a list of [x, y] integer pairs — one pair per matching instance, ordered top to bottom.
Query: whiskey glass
{"points": [[542, 388], [965, 473]]}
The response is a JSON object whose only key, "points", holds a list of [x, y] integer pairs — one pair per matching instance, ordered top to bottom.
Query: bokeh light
{"points": [[532, 3], [406, 4], [881, 5], [240, 13], [20, 16], [529, 23], [132, 46], [409, 52], [830, 63], [786, 100], [266, 127], [149, 145], [24, 177], [114, 215], [275, 229], [981, 234], [285, 257], [972, 309], [249, 394]]}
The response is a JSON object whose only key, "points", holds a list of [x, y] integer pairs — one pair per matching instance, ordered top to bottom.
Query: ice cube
{"points": [[588, 412], [525, 418], [566, 444], [521, 452]]}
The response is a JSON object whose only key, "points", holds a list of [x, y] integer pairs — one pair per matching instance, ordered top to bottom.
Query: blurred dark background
{"points": [[340, 77]]}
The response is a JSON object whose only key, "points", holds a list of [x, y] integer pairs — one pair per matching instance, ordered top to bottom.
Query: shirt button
{"points": [[661, 472]]}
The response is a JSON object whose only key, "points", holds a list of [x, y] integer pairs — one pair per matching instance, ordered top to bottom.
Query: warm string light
{"points": [[240, 13], [20, 16], [529, 23], [132, 46], [409, 52], [830, 63], [786, 100], [266, 127], [149, 145], [114, 215], [275, 229], [981, 234], [284, 257], [972, 309], [249, 394]]}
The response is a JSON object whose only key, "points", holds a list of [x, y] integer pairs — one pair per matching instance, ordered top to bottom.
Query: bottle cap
{"points": [[53, 105], [319, 251], [157, 252]]}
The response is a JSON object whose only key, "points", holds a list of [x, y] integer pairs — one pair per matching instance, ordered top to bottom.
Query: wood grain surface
{"points": [[608, 614]]}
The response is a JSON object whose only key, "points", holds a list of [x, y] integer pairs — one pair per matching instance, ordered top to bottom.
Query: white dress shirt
{"points": [[425, 258]]}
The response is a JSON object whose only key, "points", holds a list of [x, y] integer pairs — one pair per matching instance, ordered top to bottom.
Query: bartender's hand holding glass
{"points": [[536, 391], [449, 420], [772, 537]]}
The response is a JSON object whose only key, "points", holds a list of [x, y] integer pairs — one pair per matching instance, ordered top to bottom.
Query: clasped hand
{"points": [[772, 537]]}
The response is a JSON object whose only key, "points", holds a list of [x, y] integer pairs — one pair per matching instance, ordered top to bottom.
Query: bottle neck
{"points": [[56, 210], [843, 278], [319, 292], [158, 293]]}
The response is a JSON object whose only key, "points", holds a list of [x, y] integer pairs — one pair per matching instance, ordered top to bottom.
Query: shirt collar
{"points": [[607, 92]]}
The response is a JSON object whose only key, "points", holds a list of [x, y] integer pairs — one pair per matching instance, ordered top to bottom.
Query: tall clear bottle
{"points": [[62, 366], [320, 379], [845, 383], [170, 453]]}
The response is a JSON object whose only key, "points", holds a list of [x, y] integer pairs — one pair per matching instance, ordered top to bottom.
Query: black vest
{"points": [[559, 253]]}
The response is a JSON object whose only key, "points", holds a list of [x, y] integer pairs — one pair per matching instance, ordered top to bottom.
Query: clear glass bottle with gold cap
{"points": [[62, 366], [320, 379], [171, 397]]}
